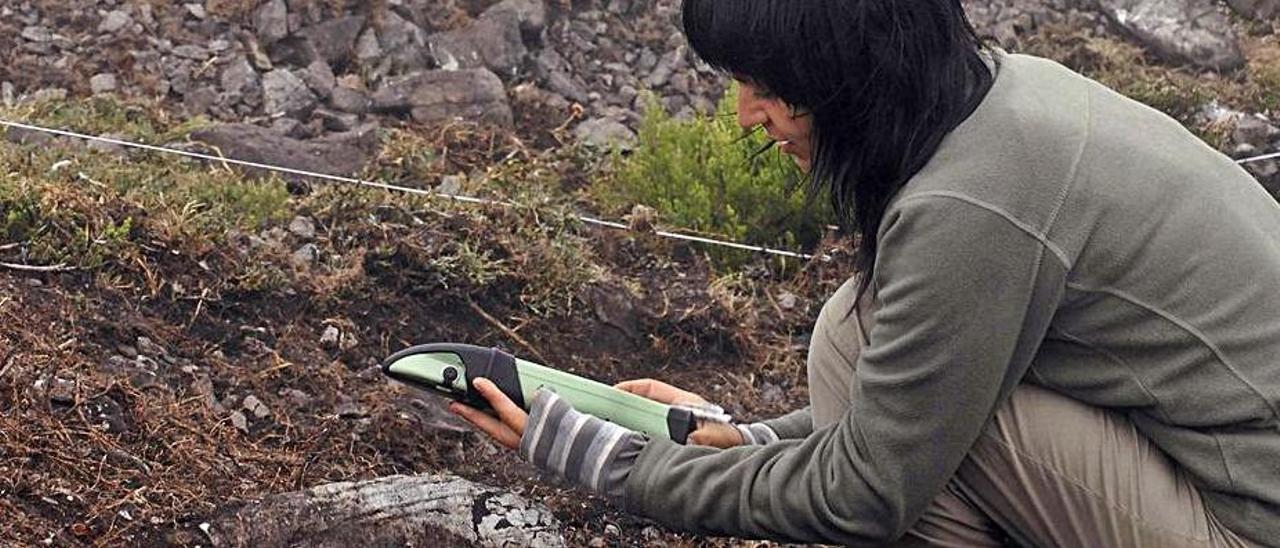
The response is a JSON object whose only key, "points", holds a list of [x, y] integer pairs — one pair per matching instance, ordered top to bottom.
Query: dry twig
{"points": [[38, 268], [506, 330]]}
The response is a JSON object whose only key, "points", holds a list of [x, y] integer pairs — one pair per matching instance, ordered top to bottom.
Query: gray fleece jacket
{"points": [[1063, 235]]}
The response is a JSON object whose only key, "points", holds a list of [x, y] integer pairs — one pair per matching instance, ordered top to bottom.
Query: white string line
{"points": [[395, 188]]}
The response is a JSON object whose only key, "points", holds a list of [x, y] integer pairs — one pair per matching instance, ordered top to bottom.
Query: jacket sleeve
{"points": [[966, 294], [794, 425]]}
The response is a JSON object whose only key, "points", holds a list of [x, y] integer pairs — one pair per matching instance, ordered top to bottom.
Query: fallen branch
{"points": [[38, 268], [507, 330]]}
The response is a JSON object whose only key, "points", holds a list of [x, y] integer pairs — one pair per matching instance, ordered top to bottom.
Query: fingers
{"points": [[639, 387], [659, 391], [508, 412], [488, 424]]}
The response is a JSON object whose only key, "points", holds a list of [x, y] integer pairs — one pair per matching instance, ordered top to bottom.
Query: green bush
{"points": [[704, 175]]}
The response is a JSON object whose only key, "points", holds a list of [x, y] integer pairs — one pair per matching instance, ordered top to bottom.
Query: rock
{"points": [[1256, 9], [196, 10], [529, 15], [271, 20], [114, 21], [1192, 31], [38, 34], [335, 39], [404, 44], [495, 44], [368, 49], [295, 51], [192, 52], [239, 77], [319, 77], [102, 83], [285, 93], [8, 94], [439, 95], [345, 99], [200, 101], [337, 121], [288, 127], [1255, 130], [604, 133], [338, 154], [450, 185], [303, 227], [787, 300], [330, 337], [62, 391], [255, 406], [240, 421], [427, 510]]}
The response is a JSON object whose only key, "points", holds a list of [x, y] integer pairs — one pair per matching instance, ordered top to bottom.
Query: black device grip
{"points": [[499, 367], [680, 423]]}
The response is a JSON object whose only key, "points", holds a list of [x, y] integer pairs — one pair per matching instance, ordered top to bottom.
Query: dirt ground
{"points": [[135, 404]]}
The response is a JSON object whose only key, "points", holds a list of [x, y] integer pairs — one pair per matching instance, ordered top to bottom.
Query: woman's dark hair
{"points": [[885, 81]]}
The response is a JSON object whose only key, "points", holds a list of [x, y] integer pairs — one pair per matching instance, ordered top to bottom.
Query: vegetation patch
{"points": [[704, 174]]}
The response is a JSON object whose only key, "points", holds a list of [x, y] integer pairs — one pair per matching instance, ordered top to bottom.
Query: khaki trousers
{"points": [[1050, 471]]}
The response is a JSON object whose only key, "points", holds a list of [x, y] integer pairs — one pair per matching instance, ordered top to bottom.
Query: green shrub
{"points": [[704, 175]]}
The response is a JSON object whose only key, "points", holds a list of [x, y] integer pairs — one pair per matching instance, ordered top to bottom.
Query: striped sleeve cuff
{"points": [[756, 433], [577, 447]]}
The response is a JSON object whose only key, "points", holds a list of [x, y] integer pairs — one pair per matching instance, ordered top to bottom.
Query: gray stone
{"points": [[1256, 9], [196, 10], [530, 16], [271, 20], [114, 21], [1192, 31], [38, 34], [335, 39], [403, 43], [494, 43], [367, 47], [192, 52], [239, 77], [319, 77], [102, 83], [285, 93], [8, 94], [49, 94], [439, 95], [345, 99], [200, 100], [337, 121], [288, 127], [1255, 130], [604, 133], [338, 154], [303, 227], [306, 255], [329, 338], [255, 406], [240, 421], [389, 511]]}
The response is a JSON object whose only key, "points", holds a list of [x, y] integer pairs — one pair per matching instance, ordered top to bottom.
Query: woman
{"points": [[1066, 330]]}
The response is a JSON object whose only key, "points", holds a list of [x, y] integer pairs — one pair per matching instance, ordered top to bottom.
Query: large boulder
{"points": [[1191, 31], [493, 43], [441, 95], [336, 154], [429, 510]]}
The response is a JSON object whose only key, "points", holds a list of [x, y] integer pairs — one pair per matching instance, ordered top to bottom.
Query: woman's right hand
{"points": [[714, 434]]}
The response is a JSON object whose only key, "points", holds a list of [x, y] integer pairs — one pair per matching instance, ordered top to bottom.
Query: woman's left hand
{"points": [[507, 427]]}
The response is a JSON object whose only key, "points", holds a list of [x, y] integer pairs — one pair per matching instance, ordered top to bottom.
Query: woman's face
{"points": [[792, 129]]}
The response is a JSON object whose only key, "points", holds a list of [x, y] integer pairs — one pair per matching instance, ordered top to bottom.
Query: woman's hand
{"points": [[507, 427], [714, 434]]}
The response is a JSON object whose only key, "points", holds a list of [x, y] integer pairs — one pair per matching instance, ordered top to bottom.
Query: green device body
{"points": [[449, 369]]}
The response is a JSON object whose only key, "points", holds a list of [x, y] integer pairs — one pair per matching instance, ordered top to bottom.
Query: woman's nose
{"points": [[750, 113]]}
